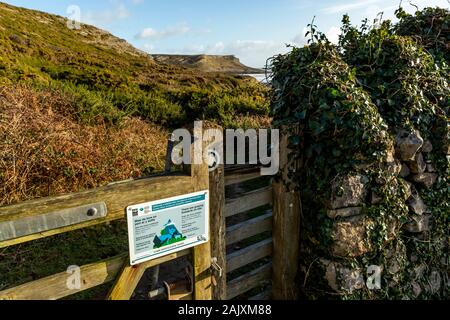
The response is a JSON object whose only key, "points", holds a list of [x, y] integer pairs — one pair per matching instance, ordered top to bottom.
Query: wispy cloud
{"points": [[349, 6], [105, 17], [150, 33], [332, 34]]}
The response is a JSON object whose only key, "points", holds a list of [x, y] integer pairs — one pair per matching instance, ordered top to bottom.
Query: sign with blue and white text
{"points": [[166, 226]]}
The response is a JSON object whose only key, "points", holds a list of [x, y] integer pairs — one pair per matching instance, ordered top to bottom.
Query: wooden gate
{"points": [[36, 219], [252, 220], [257, 220], [253, 233]]}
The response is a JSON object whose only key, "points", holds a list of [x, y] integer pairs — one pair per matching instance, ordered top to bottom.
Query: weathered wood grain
{"points": [[242, 176], [116, 196], [248, 201], [249, 228], [218, 230], [286, 231], [201, 254], [250, 254], [249, 281], [127, 282], [55, 286], [265, 295]]}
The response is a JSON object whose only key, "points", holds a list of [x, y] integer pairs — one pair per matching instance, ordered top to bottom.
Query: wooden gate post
{"points": [[217, 221], [218, 229], [286, 231], [202, 253]]}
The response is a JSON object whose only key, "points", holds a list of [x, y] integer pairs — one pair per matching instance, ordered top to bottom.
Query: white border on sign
{"points": [[176, 247]]}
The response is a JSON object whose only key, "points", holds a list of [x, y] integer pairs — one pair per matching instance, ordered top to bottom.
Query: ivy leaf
{"points": [[301, 115], [294, 140]]}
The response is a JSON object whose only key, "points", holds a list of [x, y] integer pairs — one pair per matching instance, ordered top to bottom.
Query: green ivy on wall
{"points": [[341, 106]]}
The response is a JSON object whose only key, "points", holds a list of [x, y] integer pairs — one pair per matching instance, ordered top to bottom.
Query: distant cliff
{"points": [[207, 63]]}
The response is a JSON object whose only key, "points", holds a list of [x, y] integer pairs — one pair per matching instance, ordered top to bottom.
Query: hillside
{"points": [[208, 63], [114, 79], [96, 89], [82, 108]]}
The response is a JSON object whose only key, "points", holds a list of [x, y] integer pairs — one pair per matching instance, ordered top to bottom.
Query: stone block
{"points": [[407, 144], [348, 191]]}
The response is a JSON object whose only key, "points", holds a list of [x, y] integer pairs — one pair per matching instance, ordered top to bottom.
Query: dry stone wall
{"points": [[369, 130]]}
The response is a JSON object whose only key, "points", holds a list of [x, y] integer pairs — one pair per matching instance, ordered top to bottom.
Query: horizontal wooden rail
{"points": [[232, 168], [240, 177], [116, 196], [248, 201], [249, 228], [250, 254], [92, 275], [248, 281], [265, 295]]}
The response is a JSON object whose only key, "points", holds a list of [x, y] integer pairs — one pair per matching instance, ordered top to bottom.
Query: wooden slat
{"points": [[232, 168], [240, 177], [116, 196], [248, 201], [249, 228], [249, 255], [92, 275], [248, 281], [127, 282], [55, 286], [265, 295], [182, 296], [186, 297]]}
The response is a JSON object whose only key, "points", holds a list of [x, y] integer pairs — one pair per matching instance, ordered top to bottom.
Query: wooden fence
{"points": [[236, 263]]}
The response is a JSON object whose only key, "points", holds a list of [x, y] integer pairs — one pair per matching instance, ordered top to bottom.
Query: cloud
{"points": [[137, 1], [350, 6], [371, 8], [106, 17], [150, 33], [333, 34], [300, 39], [148, 47]]}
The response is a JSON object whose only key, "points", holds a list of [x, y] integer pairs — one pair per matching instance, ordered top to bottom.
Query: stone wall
{"points": [[412, 166]]}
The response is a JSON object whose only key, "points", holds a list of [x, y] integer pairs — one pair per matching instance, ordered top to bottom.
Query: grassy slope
{"points": [[40, 48], [67, 100]]}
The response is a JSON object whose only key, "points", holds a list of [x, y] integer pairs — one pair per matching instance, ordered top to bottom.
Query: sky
{"points": [[252, 30]]}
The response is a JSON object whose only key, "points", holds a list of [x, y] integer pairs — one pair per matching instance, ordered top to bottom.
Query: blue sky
{"points": [[253, 30]]}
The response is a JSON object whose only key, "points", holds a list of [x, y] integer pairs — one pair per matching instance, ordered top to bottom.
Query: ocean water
{"points": [[260, 77]]}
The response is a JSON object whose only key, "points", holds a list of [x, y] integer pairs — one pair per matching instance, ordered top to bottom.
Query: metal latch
{"points": [[215, 266], [179, 290]]}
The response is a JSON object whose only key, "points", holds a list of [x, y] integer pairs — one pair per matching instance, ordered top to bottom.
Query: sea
{"points": [[261, 77]]}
